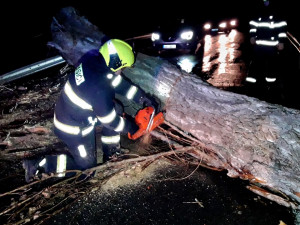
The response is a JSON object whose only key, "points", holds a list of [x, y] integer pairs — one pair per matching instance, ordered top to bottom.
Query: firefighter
{"points": [[267, 37], [88, 100]]}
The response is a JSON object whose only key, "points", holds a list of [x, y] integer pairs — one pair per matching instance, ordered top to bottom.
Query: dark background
{"points": [[25, 26]]}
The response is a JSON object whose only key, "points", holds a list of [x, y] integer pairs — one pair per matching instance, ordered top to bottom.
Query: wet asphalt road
{"points": [[175, 195]]}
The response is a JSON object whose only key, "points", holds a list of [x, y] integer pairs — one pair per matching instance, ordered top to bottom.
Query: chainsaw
{"points": [[146, 121]]}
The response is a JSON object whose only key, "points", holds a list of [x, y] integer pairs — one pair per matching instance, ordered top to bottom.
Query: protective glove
{"points": [[280, 46], [151, 101], [119, 107], [131, 126]]}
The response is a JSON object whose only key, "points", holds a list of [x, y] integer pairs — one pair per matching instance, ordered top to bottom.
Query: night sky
{"points": [[25, 26]]}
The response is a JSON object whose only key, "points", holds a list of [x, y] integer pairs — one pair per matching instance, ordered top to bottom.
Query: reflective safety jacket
{"points": [[268, 31], [88, 98]]}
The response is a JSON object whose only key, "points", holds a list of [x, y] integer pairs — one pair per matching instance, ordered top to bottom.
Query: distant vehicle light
{"points": [[233, 22], [222, 25], [207, 26], [187, 35], [155, 36]]}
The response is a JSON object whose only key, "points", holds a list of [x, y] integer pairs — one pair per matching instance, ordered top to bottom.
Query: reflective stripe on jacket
{"points": [[266, 31]]}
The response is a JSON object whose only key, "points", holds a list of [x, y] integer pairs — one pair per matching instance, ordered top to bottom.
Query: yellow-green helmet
{"points": [[117, 54]]}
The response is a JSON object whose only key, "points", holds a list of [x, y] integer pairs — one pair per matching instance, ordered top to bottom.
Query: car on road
{"points": [[220, 26], [178, 35]]}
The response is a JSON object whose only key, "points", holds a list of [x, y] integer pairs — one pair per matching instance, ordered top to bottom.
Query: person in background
{"points": [[268, 35], [88, 100]]}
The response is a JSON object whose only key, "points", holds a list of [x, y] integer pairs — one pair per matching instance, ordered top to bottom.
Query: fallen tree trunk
{"points": [[249, 138]]}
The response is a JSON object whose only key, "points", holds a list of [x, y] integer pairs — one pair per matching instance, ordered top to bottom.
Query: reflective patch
{"points": [[270, 25], [282, 35], [267, 43], [111, 48], [109, 76], [79, 78], [251, 79], [270, 79], [116, 81], [131, 92], [75, 98], [109, 118], [92, 121], [121, 125], [66, 128], [74, 130], [87, 130], [110, 139], [82, 151], [43, 162], [61, 165]]}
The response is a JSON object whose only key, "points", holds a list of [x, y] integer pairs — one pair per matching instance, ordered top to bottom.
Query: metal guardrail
{"points": [[146, 36], [43, 65], [30, 69]]}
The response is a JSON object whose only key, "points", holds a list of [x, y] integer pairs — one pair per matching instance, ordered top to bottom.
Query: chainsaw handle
{"points": [[147, 121], [137, 134]]}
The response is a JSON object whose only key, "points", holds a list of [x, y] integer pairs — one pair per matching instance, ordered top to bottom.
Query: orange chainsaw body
{"points": [[143, 118]]}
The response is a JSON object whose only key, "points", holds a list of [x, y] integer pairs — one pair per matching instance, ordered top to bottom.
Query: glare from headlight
{"points": [[223, 25], [207, 26], [187, 35], [155, 36], [187, 63]]}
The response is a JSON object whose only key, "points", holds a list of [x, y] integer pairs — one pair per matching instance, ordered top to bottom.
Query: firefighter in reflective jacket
{"points": [[267, 36], [87, 99]]}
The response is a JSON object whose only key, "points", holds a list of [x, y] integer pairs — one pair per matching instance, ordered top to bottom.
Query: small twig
{"points": [[2, 86], [186, 135], [176, 136], [7, 137], [134, 155], [180, 159], [183, 178], [39, 181], [20, 188], [65, 199], [196, 202], [20, 203], [17, 213]]}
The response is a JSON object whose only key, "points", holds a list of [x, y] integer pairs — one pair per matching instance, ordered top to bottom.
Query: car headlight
{"points": [[233, 23], [222, 25], [207, 26], [187, 35], [155, 36]]}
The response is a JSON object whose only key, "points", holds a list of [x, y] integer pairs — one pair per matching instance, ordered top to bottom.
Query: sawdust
{"points": [[146, 140], [134, 175]]}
